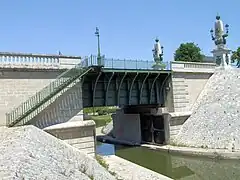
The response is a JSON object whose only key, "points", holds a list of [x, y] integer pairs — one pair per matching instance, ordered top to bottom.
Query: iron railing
{"points": [[122, 63], [35, 104], [23, 111]]}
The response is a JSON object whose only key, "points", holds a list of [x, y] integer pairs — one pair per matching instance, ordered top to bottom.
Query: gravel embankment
{"points": [[215, 121], [29, 153]]}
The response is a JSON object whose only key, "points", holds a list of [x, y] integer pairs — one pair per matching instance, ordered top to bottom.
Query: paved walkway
{"points": [[99, 131]]}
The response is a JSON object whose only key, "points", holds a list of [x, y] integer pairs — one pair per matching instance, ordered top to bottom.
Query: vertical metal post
{"points": [[99, 53], [91, 60]]}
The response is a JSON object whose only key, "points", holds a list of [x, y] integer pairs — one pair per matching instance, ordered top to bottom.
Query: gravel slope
{"points": [[215, 121], [30, 153]]}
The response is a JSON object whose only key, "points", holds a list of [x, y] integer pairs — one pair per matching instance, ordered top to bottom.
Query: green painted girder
{"points": [[143, 83], [95, 87], [107, 88], [119, 88], [130, 89], [151, 90]]}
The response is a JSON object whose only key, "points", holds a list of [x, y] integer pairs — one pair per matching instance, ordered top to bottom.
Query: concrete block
{"points": [[159, 111], [80, 134]]}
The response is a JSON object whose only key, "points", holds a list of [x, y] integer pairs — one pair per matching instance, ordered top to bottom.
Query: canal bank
{"points": [[202, 152], [172, 165], [121, 167], [127, 170]]}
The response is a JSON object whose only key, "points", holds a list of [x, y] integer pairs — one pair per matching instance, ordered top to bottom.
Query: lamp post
{"points": [[220, 36], [99, 53], [221, 53], [161, 55]]}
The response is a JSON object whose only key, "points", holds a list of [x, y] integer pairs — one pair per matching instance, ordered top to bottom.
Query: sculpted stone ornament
{"points": [[220, 37], [221, 53], [158, 55]]}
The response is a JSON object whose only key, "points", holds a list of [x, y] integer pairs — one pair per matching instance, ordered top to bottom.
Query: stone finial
{"points": [[157, 50], [158, 55]]}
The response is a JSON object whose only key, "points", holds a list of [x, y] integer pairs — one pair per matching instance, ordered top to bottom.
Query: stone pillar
{"points": [[222, 57], [163, 112], [127, 127]]}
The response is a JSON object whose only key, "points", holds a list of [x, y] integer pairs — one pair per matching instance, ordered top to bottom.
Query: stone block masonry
{"points": [[17, 85], [186, 89], [180, 93], [66, 106], [176, 120], [214, 122], [127, 127], [80, 134], [30, 153]]}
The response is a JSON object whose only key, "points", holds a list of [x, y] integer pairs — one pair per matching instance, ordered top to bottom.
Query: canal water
{"points": [[175, 166]]}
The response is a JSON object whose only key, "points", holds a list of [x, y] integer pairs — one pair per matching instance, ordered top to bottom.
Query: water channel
{"points": [[175, 166]]}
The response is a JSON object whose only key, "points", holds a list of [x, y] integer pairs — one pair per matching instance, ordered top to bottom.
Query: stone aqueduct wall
{"points": [[22, 75], [188, 80], [17, 85]]}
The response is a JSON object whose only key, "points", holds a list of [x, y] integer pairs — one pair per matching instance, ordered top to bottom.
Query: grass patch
{"points": [[101, 120], [102, 162]]}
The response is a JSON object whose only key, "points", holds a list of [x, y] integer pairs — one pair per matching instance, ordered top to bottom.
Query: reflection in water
{"points": [[176, 167]]}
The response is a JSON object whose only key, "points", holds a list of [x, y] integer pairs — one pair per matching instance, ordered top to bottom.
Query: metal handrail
{"points": [[45, 94]]}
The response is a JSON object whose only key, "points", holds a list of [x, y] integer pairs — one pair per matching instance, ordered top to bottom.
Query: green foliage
{"points": [[189, 52], [236, 56], [88, 110], [100, 110], [101, 115], [101, 120], [102, 162]]}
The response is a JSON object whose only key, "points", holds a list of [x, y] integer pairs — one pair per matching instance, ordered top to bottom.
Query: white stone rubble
{"points": [[215, 121], [29, 153]]}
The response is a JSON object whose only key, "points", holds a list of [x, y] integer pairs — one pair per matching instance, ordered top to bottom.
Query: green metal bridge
{"points": [[105, 82]]}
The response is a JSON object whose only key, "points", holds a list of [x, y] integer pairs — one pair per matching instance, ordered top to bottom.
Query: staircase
{"points": [[25, 112]]}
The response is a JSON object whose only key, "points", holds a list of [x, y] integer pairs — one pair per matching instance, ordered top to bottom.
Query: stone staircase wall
{"points": [[16, 86], [180, 93], [67, 106], [176, 121], [81, 135]]}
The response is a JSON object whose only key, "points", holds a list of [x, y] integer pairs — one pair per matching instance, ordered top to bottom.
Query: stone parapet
{"points": [[37, 61], [179, 66], [79, 134]]}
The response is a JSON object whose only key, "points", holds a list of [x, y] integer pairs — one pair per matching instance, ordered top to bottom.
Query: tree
{"points": [[188, 52], [236, 57]]}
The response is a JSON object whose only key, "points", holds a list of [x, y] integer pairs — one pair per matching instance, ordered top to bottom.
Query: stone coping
{"points": [[38, 55], [198, 63], [185, 113], [71, 124], [111, 140], [191, 151], [127, 170]]}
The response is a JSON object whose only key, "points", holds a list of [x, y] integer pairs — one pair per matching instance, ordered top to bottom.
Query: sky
{"points": [[128, 28]]}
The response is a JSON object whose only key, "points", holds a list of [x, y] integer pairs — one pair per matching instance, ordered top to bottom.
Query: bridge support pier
{"points": [[142, 124]]}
